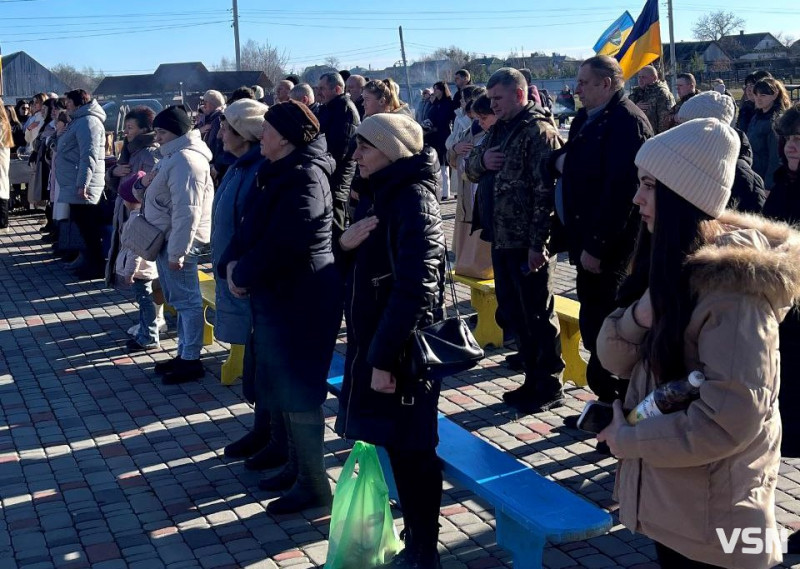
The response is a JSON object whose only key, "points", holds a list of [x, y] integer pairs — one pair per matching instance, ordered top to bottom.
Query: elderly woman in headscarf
{"points": [[281, 257]]}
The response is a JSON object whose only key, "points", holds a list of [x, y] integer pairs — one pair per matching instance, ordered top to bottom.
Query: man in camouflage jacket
{"points": [[654, 98], [513, 210]]}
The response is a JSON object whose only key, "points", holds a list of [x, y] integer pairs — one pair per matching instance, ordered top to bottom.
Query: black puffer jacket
{"points": [[338, 119], [600, 180], [748, 193], [283, 249], [382, 312]]}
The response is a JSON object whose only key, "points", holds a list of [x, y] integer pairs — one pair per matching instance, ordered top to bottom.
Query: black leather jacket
{"points": [[338, 119]]}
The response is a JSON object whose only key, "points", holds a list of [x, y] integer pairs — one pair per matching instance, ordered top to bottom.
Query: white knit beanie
{"points": [[214, 97], [708, 104], [246, 116], [396, 135], [696, 160]]}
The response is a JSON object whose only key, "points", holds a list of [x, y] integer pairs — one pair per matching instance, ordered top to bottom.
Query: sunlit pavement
{"points": [[101, 466]]}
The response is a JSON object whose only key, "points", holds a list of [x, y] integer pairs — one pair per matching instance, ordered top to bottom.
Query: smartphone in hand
{"points": [[596, 416]]}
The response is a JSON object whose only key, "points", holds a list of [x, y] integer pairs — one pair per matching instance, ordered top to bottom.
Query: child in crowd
{"points": [[134, 272]]}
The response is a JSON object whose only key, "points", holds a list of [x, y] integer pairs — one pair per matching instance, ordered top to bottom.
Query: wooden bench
{"points": [[484, 301], [232, 368], [530, 510]]}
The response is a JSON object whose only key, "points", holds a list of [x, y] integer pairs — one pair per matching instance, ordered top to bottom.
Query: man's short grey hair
{"points": [[605, 66], [650, 70], [508, 77], [333, 79], [358, 79], [302, 90]]}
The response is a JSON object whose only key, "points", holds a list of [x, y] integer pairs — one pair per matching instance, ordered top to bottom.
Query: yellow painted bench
{"points": [[484, 301], [232, 368]]}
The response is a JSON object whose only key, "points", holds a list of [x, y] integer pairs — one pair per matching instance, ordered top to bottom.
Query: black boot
{"points": [[184, 371], [248, 445], [276, 453], [287, 476], [312, 489], [417, 553]]}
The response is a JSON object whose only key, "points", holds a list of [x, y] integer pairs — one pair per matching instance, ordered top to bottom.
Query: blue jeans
{"points": [[182, 291], [148, 329]]}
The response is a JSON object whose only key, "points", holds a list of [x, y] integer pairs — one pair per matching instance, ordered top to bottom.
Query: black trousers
{"points": [[3, 213], [88, 218], [597, 294], [526, 304], [418, 476], [671, 559]]}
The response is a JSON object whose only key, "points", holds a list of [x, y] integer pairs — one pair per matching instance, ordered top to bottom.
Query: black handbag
{"points": [[443, 348]]}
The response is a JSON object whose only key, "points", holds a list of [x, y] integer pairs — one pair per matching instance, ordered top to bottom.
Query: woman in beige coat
{"points": [[692, 479]]}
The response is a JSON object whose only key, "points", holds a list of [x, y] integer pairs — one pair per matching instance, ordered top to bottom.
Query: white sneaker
{"points": [[162, 328]]}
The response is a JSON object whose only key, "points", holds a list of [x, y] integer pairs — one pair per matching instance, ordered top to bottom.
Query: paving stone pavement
{"points": [[101, 466]]}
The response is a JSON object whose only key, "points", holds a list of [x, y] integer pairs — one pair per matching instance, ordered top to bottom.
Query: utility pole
{"points": [[236, 34], [673, 63], [405, 65]]}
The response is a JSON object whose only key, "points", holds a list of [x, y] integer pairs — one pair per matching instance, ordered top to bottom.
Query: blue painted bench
{"points": [[530, 510]]}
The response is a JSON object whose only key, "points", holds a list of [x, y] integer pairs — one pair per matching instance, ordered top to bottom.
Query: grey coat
{"points": [[80, 158]]}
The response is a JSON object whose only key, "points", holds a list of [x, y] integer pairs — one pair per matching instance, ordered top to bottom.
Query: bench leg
{"points": [[208, 329], [487, 331], [232, 368], [575, 370], [526, 548]]}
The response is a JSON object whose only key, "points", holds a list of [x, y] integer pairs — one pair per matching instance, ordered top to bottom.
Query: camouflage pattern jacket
{"points": [[656, 101], [672, 120], [523, 202]]}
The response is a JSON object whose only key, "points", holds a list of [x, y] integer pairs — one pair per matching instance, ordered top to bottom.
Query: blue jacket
{"points": [[80, 156], [232, 315]]}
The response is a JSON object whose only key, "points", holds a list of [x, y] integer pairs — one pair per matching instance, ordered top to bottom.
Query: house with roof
{"points": [[756, 46], [696, 56], [23, 77], [174, 79]]}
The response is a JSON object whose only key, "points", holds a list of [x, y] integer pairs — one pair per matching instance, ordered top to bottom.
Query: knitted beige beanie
{"points": [[708, 104], [246, 116], [396, 135], [696, 160]]}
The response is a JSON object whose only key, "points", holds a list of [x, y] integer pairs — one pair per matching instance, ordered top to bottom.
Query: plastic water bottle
{"points": [[668, 398]]}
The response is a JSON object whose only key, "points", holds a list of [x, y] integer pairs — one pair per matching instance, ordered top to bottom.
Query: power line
{"points": [[115, 32]]}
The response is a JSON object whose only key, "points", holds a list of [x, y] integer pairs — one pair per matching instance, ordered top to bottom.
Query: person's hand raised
{"points": [[357, 233]]}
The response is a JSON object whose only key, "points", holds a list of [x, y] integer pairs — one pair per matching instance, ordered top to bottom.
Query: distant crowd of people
{"points": [[324, 203]]}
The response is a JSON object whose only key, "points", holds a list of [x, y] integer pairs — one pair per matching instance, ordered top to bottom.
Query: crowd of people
{"points": [[325, 203]]}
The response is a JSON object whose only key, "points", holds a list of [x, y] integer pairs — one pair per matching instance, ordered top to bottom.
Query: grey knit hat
{"points": [[708, 104], [396, 135], [696, 160]]}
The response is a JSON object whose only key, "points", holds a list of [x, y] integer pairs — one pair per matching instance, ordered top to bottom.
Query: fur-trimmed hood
{"points": [[751, 255]]}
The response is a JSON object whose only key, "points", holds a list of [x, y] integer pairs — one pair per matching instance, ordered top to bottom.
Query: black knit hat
{"points": [[173, 119], [294, 121]]}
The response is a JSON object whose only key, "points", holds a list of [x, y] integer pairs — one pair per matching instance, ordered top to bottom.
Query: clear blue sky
{"points": [[134, 37]]}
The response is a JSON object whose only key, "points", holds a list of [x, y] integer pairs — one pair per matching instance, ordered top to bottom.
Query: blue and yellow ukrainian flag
{"points": [[612, 39], [643, 45]]}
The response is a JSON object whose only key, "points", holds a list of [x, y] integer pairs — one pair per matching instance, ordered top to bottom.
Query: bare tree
{"points": [[714, 25], [785, 39], [258, 57], [332, 61], [87, 78]]}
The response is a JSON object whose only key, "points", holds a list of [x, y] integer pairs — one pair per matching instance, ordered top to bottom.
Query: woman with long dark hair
{"points": [[771, 99], [441, 116], [718, 286]]}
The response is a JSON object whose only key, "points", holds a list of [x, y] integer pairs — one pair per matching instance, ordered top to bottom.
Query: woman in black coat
{"points": [[441, 116], [281, 256], [380, 403]]}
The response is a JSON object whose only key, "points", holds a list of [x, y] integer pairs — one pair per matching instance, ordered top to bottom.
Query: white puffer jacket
{"points": [[178, 200]]}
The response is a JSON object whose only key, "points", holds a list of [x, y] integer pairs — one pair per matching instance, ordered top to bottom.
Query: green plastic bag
{"points": [[362, 533]]}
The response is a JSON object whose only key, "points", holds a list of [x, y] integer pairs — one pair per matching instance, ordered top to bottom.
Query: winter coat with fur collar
{"points": [[685, 474]]}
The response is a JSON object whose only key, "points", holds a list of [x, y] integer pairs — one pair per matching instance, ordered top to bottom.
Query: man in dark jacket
{"points": [[462, 78], [686, 85], [355, 88], [213, 105], [338, 119], [507, 166], [598, 182]]}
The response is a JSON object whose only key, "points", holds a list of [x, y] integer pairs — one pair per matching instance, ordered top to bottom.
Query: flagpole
{"points": [[673, 63]]}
